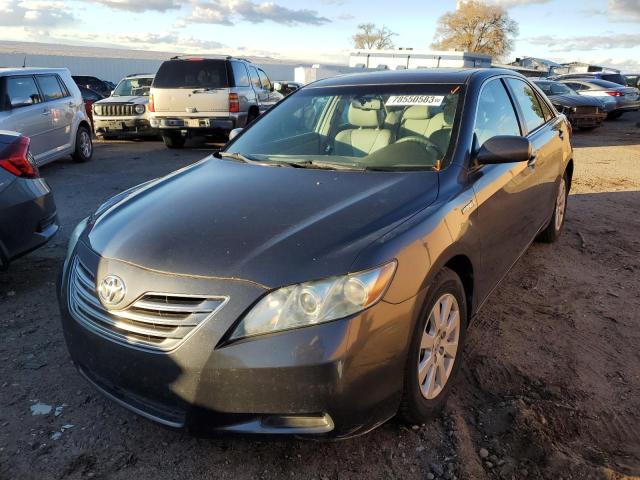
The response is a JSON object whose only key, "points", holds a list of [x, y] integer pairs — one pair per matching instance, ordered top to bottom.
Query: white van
{"points": [[46, 105]]}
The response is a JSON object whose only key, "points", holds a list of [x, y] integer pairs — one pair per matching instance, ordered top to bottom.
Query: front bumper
{"points": [[586, 120], [122, 126], [336, 379]]}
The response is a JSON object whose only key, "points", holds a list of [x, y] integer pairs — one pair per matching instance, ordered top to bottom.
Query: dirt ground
{"points": [[550, 386]]}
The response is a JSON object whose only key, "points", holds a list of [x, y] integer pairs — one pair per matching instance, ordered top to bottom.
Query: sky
{"points": [[606, 32]]}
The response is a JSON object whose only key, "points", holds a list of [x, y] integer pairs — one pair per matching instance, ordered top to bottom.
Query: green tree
{"points": [[476, 27], [370, 36]]}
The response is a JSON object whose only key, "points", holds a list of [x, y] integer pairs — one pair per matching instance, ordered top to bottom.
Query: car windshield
{"points": [[133, 87], [555, 88], [383, 127]]}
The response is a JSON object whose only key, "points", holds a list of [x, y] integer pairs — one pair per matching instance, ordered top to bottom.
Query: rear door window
{"points": [[192, 74], [240, 75], [255, 80], [264, 80], [50, 87], [22, 91], [530, 107], [495, 114]]}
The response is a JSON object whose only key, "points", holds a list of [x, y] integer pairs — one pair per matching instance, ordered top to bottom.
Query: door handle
{"points": [[46, 112]]}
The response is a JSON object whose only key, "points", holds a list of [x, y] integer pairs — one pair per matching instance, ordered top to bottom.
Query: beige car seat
{"points": [[369, 136]]}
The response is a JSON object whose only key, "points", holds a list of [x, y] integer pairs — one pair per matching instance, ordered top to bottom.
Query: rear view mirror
{"points": [[18, 102], [234, 133], [505, 149]]}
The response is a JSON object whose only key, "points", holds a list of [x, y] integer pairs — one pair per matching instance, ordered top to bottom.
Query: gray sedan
{"points": [[626, 98]]}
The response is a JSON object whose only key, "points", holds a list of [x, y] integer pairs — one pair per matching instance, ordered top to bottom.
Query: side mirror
{"points": [[111, 93], [21, 102], [234, 133], [505, 149]]}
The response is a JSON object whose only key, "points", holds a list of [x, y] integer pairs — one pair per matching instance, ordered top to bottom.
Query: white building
{"points": [[401, 59]]}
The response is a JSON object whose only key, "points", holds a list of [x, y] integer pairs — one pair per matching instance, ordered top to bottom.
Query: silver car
{"points": [[194, 96], [626, 98], [46, 105]]}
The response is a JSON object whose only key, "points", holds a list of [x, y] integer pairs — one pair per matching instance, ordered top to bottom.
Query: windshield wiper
{"points": [[239, 157], [326, 165]]}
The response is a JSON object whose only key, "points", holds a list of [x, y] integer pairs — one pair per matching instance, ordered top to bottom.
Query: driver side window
{"points": [[495, 114]]}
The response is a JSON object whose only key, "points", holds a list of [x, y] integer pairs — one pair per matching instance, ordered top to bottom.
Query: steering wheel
{"points": [[422, 141]]}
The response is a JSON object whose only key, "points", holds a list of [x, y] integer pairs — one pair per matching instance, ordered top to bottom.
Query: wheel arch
{"points": [[569, 171], [463, 267]]}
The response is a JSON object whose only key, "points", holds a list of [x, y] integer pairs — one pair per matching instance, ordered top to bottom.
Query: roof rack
{"points": [[212, 57], [137, 74]]}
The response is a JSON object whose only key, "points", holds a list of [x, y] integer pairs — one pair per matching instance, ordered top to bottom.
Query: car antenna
{"points": [[24, 62]]}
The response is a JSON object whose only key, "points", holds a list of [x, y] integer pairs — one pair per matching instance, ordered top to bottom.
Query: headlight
{"points": [[97, 109], [139, 109], [73, 240], [321, 301]]}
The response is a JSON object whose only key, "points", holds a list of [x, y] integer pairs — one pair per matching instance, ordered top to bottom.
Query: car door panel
{"points": [[505, 193]]}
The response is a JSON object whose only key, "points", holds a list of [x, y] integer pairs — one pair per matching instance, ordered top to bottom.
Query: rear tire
{"points": [[173, 141], [84, 145], [552, 232], [431, 350]]}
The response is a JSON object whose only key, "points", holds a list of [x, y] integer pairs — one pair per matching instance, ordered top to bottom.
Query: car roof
{"points": [[30, 70], [140, 75], [431, 75]]}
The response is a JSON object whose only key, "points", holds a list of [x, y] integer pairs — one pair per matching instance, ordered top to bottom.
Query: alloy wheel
{"points": [[85, 144], [561, 203], [439, 346]]}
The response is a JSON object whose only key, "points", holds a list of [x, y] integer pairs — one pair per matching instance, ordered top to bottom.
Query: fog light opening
{"points": [[319, 423]]}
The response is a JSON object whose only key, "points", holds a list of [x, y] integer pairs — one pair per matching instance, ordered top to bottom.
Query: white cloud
{"points": [[141, 5], [625, 9], [227, 12], [33, 14], [587, 42]]}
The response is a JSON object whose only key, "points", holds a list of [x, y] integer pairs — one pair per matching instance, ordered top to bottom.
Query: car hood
{"points": [[125, 99], [575, 101], [270, 225]]}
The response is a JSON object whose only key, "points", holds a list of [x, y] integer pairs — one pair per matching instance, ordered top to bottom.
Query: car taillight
{"points": [[615, 94], [234, 104], [152, 107], [15, 159]]}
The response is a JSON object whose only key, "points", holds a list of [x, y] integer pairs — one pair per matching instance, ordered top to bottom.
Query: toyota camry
{"points": [[317, 276]]}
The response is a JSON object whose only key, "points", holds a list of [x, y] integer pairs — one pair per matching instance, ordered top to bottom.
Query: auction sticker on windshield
{"points": [[405, 100]]}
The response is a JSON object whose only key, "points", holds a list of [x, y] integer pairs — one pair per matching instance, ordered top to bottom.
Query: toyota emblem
{"points": [[111, 290]]}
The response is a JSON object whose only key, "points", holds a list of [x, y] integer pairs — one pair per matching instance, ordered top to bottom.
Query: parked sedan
{"points": [[103, 87], [89, 97], [626, 98], [583, 112], [27, 210], [318, 275]]}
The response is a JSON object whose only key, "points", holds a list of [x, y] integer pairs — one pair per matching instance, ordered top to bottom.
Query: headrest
{"points": [[418, 112], [365, 114]]}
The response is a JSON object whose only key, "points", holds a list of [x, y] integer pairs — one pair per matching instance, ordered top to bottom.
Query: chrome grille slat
{"points": [[117, 110], [155, 321]]}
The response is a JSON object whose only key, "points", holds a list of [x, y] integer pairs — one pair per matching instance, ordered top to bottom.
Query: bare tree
{"points": [[476, 27], [370, 36]]}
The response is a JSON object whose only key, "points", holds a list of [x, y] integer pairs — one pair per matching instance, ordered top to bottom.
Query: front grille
{"points": [[116, 110], [587, 110], [155, 321]]}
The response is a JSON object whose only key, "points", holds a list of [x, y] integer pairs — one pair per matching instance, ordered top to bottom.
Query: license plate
{"points": [[194, 122]]}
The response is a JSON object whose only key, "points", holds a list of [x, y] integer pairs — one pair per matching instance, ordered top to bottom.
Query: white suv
{"points": [[207, 97], [46, 105], [126, 111]]}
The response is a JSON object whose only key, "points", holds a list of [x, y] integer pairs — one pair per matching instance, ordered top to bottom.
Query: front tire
{"points": [[173, 141], [84, 145], [552, 231], [436, 347]]}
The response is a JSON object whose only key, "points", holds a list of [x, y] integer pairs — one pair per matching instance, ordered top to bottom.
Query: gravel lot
{"points": [[550, 387]]}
